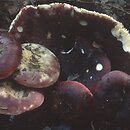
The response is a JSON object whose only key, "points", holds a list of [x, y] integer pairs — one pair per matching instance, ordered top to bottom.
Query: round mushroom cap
{"points": [[39, 67], [112, 96], [70, 99], [15, 100]]}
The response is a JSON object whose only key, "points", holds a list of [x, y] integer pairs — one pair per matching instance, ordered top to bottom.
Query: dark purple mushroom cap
{"points": [[54, 23], [10, 54], [112, 95], [69, 99], [14, 100]]}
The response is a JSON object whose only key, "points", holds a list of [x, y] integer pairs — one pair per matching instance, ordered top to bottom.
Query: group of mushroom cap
{"points": [[82, 56], [28, 65]]}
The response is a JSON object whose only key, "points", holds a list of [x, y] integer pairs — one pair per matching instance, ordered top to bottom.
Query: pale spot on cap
{"points": [[83, 23], [20, 29], [49, 35], [63, 36], [82, 51], [99, 67], [87, 70], [91, 77], [31, 106], [25, 108]]}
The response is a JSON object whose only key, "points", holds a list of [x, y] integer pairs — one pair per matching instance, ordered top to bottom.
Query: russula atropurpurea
{"points": [[85, 45], [10, 51], [39, 67], [112, 96], [70, 99], [15, 100]]}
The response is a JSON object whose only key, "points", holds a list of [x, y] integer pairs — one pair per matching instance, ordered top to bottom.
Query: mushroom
{"points": [[10, 55], [39, 67], [112, 96], [70, 99], [15, 100]]}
